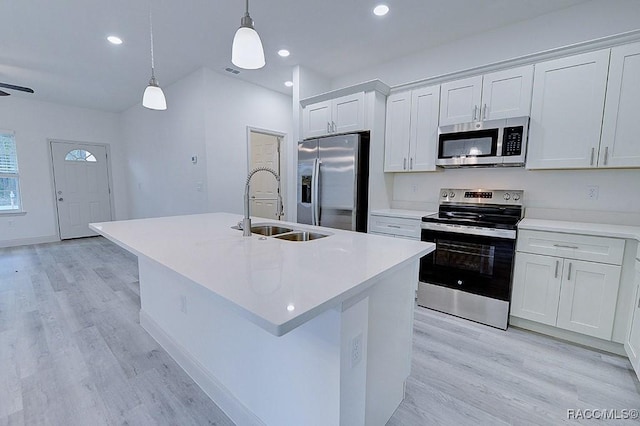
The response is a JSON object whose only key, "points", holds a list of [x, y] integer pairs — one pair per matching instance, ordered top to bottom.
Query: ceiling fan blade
{"points": [[12, 87], [2, 93]]}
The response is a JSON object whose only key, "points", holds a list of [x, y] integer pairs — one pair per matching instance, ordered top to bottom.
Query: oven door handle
{"points": [[469, 230]]}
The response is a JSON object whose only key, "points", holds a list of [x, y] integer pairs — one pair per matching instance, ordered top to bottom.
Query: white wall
{"points": [[587, 21], [230, 106], [207, 115], [34, 124], [619, 190]]}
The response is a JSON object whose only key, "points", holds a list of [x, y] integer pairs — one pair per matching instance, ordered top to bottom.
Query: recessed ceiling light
{"points": [[381, 10], [114, 40], [284, 53], [288, 83]]}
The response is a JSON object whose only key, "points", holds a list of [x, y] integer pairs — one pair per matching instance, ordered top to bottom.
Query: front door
{"points": [[265, 152], [81, 179]]}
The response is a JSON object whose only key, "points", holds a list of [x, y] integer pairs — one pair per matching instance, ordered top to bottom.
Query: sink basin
{"points": [[269, 230], [301, 236]]}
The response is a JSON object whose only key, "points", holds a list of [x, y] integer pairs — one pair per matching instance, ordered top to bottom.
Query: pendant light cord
{"points": [[247, 9], [151, 37]]}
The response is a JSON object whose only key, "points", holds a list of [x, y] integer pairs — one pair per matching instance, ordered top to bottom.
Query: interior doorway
{"points": [[264, 151], [82, 192]]}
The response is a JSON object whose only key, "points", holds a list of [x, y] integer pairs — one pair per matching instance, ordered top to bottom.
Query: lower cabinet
{"points": [[395, 226], [567, 292], [632, 343]]}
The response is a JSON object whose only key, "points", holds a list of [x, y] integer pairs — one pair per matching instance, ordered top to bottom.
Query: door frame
{"points": [[107, 147], [283, 162]]}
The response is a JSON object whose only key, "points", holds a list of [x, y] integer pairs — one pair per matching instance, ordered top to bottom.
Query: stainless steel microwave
{"points": [[483, 143]]}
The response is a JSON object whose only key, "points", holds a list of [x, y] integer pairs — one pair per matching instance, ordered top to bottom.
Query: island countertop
{"points": [[274, 283]]}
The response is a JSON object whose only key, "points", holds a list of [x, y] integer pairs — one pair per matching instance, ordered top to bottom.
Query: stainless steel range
{"points": [[469, 273]]}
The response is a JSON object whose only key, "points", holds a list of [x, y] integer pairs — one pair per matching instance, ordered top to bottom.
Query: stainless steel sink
{"points": [[269, 230], [301, 236]]}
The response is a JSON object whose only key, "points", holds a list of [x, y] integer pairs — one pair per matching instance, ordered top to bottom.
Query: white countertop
{"points": [[407, 214], [597, 229], [262, 278]]}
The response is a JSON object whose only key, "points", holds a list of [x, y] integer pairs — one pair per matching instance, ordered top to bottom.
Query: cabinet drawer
{"points": [[396, 226], [572, 246]]}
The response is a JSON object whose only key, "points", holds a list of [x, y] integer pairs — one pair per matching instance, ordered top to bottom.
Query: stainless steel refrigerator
{"points": [[333, 181]]}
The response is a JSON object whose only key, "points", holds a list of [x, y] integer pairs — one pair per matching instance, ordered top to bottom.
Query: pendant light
{"points": [[247, 51], [153, 97]]}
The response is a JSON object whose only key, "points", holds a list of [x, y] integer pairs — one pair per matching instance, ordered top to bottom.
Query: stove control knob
{"points": [[452, 194], [444, 195], [507, 196], [516, 197], [460, 282]]}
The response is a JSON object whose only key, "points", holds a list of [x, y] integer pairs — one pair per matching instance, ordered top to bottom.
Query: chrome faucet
{"points": [[246, 222]]}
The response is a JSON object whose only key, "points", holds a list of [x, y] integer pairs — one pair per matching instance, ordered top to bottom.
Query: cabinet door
{"points": [[507, 93], [461, 101], [566, 111], [348, 113], [316, 120], [424, 129], [396, 138], [619, 145], [536, 287], [588, 298], [632, 344]]}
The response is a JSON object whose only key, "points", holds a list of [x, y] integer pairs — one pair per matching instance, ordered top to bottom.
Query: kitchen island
{"points": [[275, 331]]}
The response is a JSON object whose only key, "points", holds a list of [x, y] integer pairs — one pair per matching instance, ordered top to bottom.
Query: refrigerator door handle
{"points": [[315, 179]]}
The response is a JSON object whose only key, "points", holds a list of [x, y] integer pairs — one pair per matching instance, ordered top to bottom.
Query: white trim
{"points": [[532, 58], [368, 86], [29, 241], [569, 336], [218, 393]]}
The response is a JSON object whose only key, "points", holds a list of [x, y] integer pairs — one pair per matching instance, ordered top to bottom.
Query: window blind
{"points": [[8, 154]]}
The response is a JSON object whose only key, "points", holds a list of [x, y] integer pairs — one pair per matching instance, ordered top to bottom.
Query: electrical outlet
{"points": [[414, 188], [592, 192], [10, 223], [183, 304], [356, 350]]}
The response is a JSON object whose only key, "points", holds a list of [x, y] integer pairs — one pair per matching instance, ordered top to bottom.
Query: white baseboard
{"points": [[29, 241], [570, 336], [218, 393]]}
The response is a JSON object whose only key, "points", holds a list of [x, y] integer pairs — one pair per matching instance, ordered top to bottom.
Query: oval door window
{"points": [[80, 155]]}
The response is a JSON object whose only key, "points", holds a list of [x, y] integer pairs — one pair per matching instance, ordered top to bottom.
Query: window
{"points": [[80, 155], [9, 179]]}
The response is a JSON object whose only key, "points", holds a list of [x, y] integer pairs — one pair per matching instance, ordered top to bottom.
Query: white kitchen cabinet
{"points": [[497, 95], [566, 111], [341, 115], [412, 130], [619, 145], [566, 287], [632, 343]]}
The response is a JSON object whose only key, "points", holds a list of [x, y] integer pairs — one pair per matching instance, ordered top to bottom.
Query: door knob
{"points": [[60, 199]]}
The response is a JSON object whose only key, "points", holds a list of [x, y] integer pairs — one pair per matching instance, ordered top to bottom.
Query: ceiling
{"points": [[59, 48]]}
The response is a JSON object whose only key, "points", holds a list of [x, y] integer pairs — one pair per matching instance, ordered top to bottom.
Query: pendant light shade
{"points": [[247, 51], [153, 97]]}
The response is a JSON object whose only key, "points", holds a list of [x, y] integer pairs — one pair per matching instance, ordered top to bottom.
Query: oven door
{"points": [[476, 264]]}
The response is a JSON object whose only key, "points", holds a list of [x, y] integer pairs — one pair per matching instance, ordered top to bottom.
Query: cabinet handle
{"points": [[475, 112], [484, 112], [328, 127], [334, 127], [593, 151], [606, 155], [410, 163], [404, 164], [394, 226], [563, 246], [557, 266], [569, 273], [638, 302]]}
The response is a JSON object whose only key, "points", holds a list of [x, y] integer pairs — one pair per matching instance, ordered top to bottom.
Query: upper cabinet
{"points": [[497, 95], [566, 111], [341, 115], [412, 130], [619, 145]]}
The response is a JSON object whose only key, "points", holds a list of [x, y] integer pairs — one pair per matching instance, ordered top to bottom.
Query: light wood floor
{"points": [[72, 353]]}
